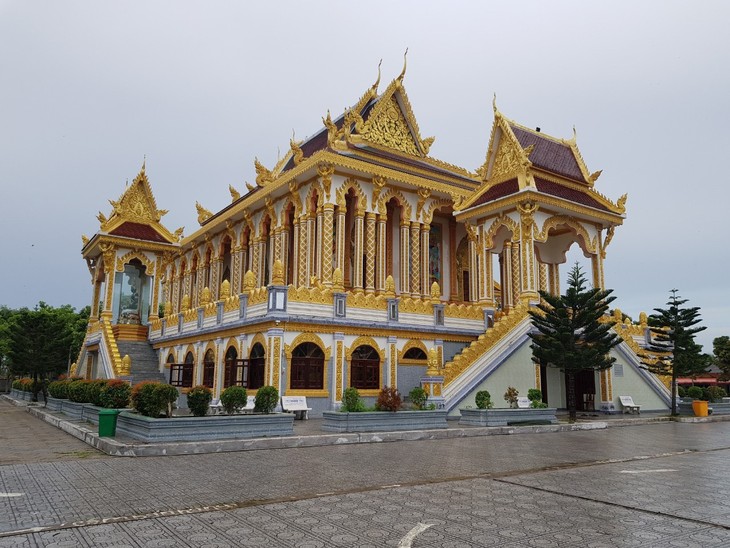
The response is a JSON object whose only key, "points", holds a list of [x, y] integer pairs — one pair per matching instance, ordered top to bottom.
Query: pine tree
{"points": [[569, 334], [673, 350], [721, 358]]}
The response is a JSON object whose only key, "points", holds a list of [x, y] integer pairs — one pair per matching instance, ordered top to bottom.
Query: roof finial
{"points": [[405, 59], [377, 82], [494, 102], [575, 135], [144, 162]]}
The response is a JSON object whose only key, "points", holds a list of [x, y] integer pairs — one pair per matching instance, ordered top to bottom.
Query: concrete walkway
{"points": [[308, 433]]}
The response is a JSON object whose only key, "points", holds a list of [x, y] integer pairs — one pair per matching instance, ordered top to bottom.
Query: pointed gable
{"points": [[135, 214]]}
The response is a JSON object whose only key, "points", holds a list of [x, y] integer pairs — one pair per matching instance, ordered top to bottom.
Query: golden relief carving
{"points": [[390, 128], [298, 154], [510, 158], [325, 171], [263, 175], [378, 184], [235, 195], [423, 195], [402, 201], [621, 203], [137, 204], [203, 214], [572, 222], [135, 254], [277, 277], [249, 281], [390, 286], [225, 290], [258, 295], [314, 295], [366, 300], [231, 303], [415, 306], [464, 311], [305, 338], [364, 340], [484, 342], [413, 343], [111, 345], [277, 361], [433, 363], [393, 366], [126, 368]]}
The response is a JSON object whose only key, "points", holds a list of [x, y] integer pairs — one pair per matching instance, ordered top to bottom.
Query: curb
{"points": [[88, 434]]}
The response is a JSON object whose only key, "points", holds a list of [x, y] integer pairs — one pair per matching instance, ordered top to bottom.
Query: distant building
{"points": [[351, 261]]}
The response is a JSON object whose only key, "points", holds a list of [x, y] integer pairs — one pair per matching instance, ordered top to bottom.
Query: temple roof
{"points": [[549, 154]]}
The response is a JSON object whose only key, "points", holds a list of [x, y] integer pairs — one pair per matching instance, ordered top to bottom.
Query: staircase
{"points": [[144, 361]]}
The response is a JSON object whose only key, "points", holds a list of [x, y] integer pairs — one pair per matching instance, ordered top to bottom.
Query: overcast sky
{"points": [[201, 88]]}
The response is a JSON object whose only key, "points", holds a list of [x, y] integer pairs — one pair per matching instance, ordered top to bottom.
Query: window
{"points": [[415, 353], [257, 364], [307, 367], [208, 368], [365, 368], [236, 372], [181, 374]]}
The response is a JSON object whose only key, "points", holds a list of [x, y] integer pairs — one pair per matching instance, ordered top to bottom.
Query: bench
{"points": [[523, 403], [628, 404], [296, 405], [216, 407]]}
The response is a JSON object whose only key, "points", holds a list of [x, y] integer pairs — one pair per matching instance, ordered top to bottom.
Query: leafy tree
{"points": [[569, 334], [40, 342], [673, 350], [721, 358]]}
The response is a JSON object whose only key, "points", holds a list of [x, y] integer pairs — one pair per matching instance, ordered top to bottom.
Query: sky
{"points": [[198, 89]]}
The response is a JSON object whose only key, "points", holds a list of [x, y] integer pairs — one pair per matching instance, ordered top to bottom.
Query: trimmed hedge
{"points": [[151, 398], [199, 398]]}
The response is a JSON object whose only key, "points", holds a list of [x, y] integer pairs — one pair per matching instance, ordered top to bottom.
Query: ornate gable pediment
{"points": [[505, 156]]}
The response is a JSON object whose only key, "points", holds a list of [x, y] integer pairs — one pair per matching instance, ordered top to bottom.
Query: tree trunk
{"points": [[571, 395]]}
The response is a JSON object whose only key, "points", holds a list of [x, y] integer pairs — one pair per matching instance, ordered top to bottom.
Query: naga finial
{"points": [[403, 72], [377, 82], [494, 102], [144, 163], [235, 195]]}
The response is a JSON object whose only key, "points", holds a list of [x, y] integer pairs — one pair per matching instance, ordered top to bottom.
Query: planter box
{"points": [[15, 394], [54, 404], [685, 408], [75, 411], [90, 413], [505, 417], [383, 421], [212, 427]]}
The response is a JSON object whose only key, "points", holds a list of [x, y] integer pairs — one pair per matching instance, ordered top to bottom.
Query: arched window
{"points": [[415, 354], [257, 366], [307, 367], [208, 368], [365, 368], [235, 370], [181, 374]]}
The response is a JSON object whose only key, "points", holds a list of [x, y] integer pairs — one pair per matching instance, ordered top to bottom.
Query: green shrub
{"points": [[25, 384], [59, 389], [78, 391], [93, 391], [681, 392], [695, 392], [716, 393], [115, 394], [534, 394], [511, 396], [418, 397], [151, 398], [199, 398], [234, 398], [267, 398], [389, 399], [483, 399], [351, 401], [537, 404]]}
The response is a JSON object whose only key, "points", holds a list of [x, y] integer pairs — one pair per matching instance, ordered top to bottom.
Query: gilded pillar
{"points": [[472, 239], [318, 242], [327, 244], [340, 244], [370, 251], [295, 252], [304, 254], [380, 254], [109, 257], [405, 258], [415, 260], [425, 261], [357, 264], [597, 265], [506, 273], [215, 277], [237, 277], [543, 277], [554, 279], [516, 283], [528, 285], [96, 292], [154, 311], [274, 342], [393, 362]]}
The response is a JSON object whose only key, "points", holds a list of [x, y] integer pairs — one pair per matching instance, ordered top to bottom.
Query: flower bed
{"points": [[505, 417], [383, 421], [213, 427]]}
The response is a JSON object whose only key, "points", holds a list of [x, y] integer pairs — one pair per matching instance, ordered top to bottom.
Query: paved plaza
{"points": [[661, 484]]}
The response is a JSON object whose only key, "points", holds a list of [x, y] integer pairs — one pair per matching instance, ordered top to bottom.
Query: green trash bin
{"points": [[108, 422]]}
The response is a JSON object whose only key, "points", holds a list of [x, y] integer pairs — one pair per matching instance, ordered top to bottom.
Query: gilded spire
{"points": [[403, 72], [377, 82], [494, 103]]}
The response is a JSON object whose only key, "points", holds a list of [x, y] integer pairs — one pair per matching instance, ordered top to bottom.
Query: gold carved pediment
{"points": [[389, 128]]}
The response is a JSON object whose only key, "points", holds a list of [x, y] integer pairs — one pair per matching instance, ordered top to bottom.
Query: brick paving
{"points": [[653, 485]]}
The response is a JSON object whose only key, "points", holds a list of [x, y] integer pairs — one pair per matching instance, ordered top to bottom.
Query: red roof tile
{"points": [[549, 155], [498, 191], [571, 194], [138, 231]]}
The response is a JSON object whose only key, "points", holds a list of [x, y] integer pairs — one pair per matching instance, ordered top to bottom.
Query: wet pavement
{"points": [[655, 484]]}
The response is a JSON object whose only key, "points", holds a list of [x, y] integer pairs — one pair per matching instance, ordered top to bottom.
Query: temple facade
{"points": [[359, 260]]}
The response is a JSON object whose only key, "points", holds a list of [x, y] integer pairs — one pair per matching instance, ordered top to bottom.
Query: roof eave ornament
{"points": [[405, 62], [374, 87]]}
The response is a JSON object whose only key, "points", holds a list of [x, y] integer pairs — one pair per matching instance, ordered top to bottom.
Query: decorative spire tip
{"points": [[405, 59]]}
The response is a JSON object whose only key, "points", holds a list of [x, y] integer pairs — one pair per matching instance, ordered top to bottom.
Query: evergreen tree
{"points": [[569, 334], [673, 350], [721, 358]]}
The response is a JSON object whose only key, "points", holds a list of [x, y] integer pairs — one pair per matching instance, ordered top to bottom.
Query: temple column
{"points": [[318, 243], [327, 244], [340, 244], [370, 251], [283, 252], [295, 252], [304, 253], [380, 254], [405, 257], [256, 260], [415, 260], [425, 261], [597, 264], [473, 267], [543, 273], [506, 274], [489, 276], [215, 277], [237, 278], [554, 279], [357, 281], [516, 282], [96, 292], [154, 313]]}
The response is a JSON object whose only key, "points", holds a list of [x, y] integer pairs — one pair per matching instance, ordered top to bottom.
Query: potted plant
{"points": [[511, 396], [486, 415]]}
